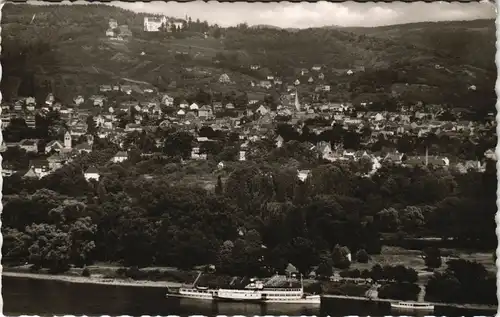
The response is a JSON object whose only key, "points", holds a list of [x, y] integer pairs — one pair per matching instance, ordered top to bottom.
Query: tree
{"points": [[91, 125], [178, 143], [218, 186], [250, 188], [412, 219], [388, 220], [82, 233], [137, 239], [15, 245], [50, 247], [247, 254], [303, 254], [224, 256], [362, 256], [340, 257], [432, 257], [324, 270], [377, 272], [443, 287]]}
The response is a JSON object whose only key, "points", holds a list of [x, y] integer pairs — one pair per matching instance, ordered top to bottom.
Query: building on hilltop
{"points": [[113, 24], [154, 24], [110, 33], [224, 78]]}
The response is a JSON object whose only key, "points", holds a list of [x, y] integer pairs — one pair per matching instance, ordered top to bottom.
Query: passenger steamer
{"points": [[255, 292], [412, 307]]}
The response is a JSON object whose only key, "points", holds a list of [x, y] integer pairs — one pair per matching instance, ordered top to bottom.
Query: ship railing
{"points": [[283, 289]]}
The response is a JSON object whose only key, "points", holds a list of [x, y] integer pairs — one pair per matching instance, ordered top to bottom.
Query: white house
{"points": [[113, 24], [153, 24], [224, 78], [49, 100], [78, 100], [167, 100], [30, 101], [262, 110], [279, 141], [29, 145], [55, 145], [83, 147], [196, 155], [242, 155], [119, 157], [91, 173], [303, 174]]}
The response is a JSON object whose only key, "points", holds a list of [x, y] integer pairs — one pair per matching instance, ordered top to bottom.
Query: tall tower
{"points": [[297, 103], [67, 140]]}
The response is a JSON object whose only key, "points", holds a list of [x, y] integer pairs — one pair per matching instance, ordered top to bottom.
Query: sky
{"points": [[305, 14]]}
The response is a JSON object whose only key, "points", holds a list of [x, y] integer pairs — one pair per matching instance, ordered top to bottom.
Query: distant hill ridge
{"points": [[63, 38]]}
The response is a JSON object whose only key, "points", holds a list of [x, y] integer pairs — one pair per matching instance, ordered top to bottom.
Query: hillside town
{"points": [[148, 110], [311, 165]]}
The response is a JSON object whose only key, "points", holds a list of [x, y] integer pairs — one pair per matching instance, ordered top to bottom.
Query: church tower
{"points": [[297, 103], [67, 140]]}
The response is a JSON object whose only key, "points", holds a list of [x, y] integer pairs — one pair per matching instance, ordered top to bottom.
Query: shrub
{"points": [[362, 256], [339, 257], [432, 257], [324, 270], [86, 272], [121, 272], [351, 273], [365, 274], [346, 289], [401, 291]]}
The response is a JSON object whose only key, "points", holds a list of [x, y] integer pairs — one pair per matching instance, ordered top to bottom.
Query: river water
{"points": [[47, 298]]}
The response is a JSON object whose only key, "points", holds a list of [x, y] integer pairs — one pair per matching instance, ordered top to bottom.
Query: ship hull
{"points": [[193, 293], [197, 297], [237, 300], [313, 300], [301, 301], [414, 309]]}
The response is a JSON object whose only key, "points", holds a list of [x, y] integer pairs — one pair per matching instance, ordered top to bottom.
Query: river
{"points": [[48, 297]]}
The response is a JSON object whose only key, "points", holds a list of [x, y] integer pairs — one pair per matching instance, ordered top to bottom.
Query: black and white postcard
{"points": [[217, 158]]}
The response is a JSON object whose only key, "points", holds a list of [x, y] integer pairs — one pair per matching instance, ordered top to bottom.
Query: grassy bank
{"points": [[97, 279]]}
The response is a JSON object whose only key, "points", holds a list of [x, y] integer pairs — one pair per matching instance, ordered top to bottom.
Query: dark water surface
{"points": [[46, 298]]}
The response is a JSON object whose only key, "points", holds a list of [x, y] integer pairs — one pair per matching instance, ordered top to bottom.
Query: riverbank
{"points": [[95, 279], [100, 279]]}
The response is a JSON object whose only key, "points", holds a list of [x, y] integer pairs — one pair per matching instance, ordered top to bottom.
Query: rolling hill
{"points": [[64, 48]]}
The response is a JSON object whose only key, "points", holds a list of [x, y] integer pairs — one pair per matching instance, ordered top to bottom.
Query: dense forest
{"points": [[333, 206]]}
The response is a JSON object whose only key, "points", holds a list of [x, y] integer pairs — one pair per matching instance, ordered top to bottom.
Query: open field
{"points": [[413, 259]]}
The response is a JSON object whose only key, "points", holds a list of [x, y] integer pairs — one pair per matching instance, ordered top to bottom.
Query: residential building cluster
{"points": [[120, 109]]}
